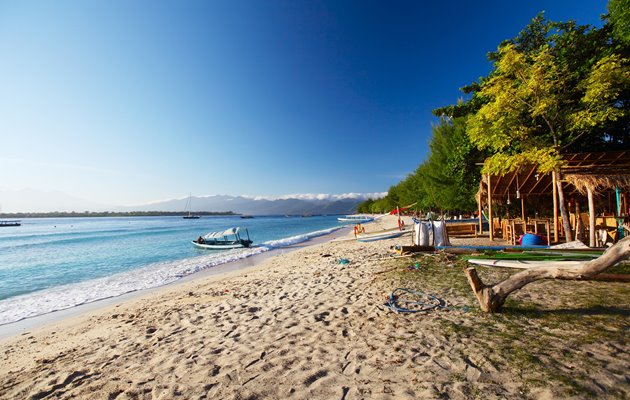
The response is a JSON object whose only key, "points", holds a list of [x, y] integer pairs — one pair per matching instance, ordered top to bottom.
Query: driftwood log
{"points": [[492, 297]]}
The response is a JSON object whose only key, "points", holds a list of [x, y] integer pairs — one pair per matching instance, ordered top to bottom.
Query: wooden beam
{"points": [[541, 178], [526, 181], [510, 183], [490, 207], [555, 207], [481, 209], [591, 218]]}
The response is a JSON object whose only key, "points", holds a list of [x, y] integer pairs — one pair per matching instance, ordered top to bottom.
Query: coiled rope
{"points": [[425, 302]]}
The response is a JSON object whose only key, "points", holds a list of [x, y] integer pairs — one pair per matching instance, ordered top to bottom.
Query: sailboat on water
{"points": [[188, 208]]}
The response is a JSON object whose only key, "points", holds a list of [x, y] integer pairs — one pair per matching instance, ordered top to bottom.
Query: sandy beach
{"points": [[303, 325]]}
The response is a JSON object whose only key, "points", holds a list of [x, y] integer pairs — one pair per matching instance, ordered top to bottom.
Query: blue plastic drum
{"points": [[529, 239]]}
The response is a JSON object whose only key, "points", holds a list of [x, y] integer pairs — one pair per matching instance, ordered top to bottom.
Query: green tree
{"points": [[619, 17], [556, 87], [531, 114], [451, 172], [365, 206]]}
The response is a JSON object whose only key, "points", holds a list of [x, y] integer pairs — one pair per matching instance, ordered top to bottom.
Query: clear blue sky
{"points": [[125, 102]]}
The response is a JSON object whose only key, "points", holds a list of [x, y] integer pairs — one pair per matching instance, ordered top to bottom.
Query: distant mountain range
{"points": [[29, 200], [252, 206]]}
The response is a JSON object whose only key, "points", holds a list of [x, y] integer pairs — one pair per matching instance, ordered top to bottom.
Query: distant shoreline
{"points": [[114, 214]]}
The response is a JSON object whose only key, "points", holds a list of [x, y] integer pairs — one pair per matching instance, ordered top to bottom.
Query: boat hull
{"points": [[355, 219], [10, 223], [373, 236], [218, 246], [525, 264]]}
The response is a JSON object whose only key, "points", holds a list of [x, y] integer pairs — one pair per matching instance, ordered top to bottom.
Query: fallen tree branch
{"points": [[492, 297]]}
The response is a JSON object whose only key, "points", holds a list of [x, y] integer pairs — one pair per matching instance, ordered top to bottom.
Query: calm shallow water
{"points": [[50, 264]]}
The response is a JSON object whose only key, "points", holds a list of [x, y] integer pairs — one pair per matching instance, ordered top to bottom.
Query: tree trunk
{"points": [[566, 224], [492, 297]]}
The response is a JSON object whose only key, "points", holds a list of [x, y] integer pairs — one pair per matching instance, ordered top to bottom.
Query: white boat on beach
{"points": [[355, 219], [380, 235], [223, 240], [525, 264]]}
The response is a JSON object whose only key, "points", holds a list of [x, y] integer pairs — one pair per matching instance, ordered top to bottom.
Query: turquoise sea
{"points": [[51, 264]]}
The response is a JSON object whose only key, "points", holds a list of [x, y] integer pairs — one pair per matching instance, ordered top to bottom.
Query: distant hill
{"points": [[37, 201], [246, 205]]}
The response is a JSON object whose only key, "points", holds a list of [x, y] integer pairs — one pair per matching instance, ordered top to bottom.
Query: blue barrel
{"points": [[529, 239]]}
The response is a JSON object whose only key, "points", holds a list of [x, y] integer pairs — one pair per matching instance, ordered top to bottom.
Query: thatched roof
{"points": [[601, 171], [596, 183]]}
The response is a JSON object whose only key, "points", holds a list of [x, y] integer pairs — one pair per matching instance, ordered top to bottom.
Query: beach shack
{"points": [[596, 187]]}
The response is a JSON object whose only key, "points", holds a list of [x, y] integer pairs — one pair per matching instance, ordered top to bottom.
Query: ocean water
{"points": [[52, 264]]}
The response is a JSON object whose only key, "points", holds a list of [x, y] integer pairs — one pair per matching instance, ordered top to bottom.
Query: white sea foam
{"points": [[151, 276]]}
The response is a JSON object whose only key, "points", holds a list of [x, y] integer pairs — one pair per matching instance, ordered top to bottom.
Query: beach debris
{"points": [[326, 255], [343, 261], [414, 267], [492, 297], [415, 301]]}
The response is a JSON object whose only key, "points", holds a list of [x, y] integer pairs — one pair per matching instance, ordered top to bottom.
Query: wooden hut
{"points": [[586, 176]]}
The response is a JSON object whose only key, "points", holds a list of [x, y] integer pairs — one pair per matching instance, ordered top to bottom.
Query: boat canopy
{"points": [[221, 234]]}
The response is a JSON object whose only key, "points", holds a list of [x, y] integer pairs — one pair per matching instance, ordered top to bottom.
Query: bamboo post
{"points": [[490, 208], [555, 208], [480, 211], [523, 212], [591, 217]]}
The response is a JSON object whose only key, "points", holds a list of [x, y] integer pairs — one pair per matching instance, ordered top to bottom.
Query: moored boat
{"points": [[188, 208], [355, 219], [10, 223], [380, 235], [223, 240], [525, 264]]}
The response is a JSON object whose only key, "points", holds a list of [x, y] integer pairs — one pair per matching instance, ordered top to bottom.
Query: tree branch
{"points": [[492, 297]]}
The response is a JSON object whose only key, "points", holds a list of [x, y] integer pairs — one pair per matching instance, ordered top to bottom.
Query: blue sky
{"points": [[126, 102]]}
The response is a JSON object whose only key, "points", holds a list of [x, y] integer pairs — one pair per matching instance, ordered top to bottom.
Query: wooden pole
{"points": [[555, 207], [490, 208], [480, 210], [523, 212], [591, 218], [578, 222]]}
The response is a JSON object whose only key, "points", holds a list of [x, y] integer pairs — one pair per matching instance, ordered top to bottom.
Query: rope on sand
{"points": [[428, 302]]}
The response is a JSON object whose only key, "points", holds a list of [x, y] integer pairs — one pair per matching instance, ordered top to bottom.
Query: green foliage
{"points": [[619, 17], [556, 87], [603, 87], [521, 121], [451, 172], [365, 207]]}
